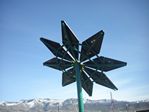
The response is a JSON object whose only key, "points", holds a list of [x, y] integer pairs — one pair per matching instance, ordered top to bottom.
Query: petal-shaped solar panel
{"points": [[69, 40], [91, 46], [56, 49], [58, 64], [104, 64], [68, 77], [100, 78], [87, 84]]}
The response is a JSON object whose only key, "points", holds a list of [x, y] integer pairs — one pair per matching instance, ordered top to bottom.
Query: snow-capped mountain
{"points": [[70, 105]]}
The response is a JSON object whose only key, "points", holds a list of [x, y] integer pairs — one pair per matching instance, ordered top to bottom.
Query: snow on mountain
{"points": [[98, 101], [33, 102], [53, 102], [9, 103], [70, 105]]}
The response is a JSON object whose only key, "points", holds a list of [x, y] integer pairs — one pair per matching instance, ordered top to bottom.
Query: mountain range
{"points": [[70, 105]]}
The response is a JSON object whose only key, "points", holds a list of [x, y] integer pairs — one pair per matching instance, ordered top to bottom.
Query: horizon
{"points": [[22, 74], [75, 99]]}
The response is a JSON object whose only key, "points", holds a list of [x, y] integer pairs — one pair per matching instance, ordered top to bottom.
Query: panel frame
{"points": [[69, 40], [91, 46], [56, 49], [102, 63], [58, 64], [70, 75], [100, 78], [87, 84]]}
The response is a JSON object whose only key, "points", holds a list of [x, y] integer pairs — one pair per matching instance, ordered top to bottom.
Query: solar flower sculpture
{"points": [[78, 65]]}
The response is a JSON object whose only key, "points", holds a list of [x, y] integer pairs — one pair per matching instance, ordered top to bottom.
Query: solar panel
{"points": [[69, 40], [91, 46], [56, 49], [58, 64], [104, 64], [68, 77], [100, 78], [87, 84]]}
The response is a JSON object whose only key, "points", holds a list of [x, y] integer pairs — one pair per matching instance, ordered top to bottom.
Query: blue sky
{"points": [[23, 22]]}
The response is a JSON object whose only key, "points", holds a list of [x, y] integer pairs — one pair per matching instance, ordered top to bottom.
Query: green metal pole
{"points": [[79, 87]]}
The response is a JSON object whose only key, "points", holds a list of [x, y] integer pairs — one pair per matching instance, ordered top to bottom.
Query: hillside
{"points": [[70, 105]]}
